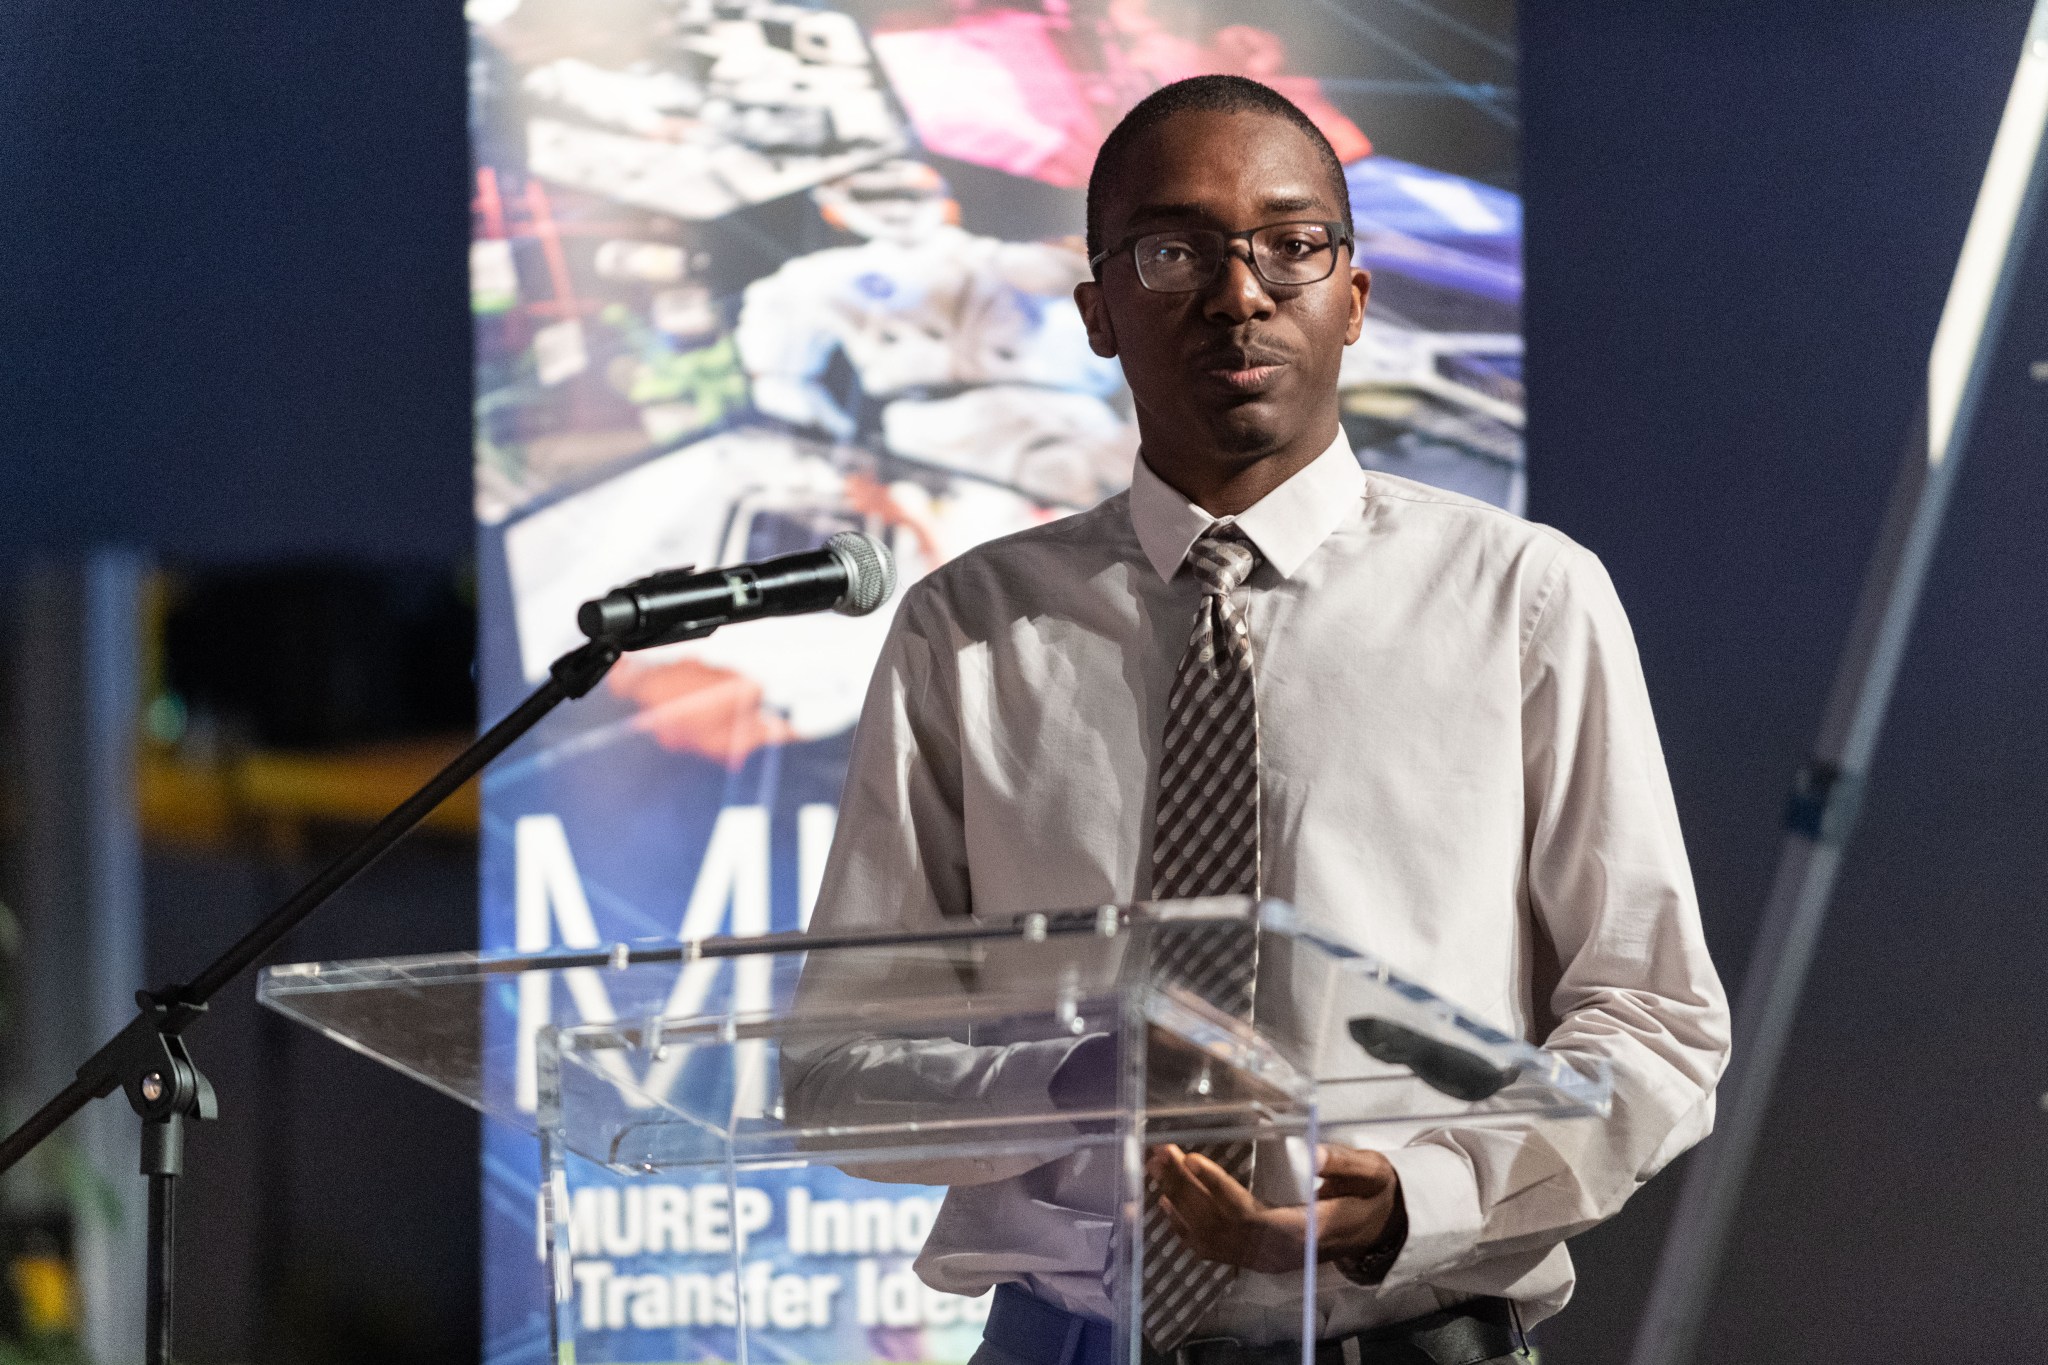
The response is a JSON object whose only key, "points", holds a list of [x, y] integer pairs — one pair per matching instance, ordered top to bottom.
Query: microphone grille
{"points": [[870, 572]]}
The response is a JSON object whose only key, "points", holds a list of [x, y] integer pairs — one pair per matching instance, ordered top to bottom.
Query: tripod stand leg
{"points": [[163, 1161]]}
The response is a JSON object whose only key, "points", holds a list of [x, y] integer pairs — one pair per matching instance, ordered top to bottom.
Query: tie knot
{"points": [[1222, 558]]}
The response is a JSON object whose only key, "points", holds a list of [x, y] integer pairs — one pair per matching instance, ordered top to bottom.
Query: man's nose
{"points": [[1238, 294]]}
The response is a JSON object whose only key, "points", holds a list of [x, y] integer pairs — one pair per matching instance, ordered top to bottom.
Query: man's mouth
{"points": [[1246, 371], [1249, 379]]}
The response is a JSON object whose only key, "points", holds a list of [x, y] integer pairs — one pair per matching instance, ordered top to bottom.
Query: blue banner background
{"points": [[745, 274]]}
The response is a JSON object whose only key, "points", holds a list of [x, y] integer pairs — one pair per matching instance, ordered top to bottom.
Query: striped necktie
{"points": [[1206, 843]]}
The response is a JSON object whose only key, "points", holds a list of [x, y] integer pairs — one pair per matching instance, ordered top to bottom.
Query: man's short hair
{"points": [[1200, 95]]}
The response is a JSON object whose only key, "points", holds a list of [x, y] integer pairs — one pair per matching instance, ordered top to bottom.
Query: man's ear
{"points": [[1361, 286], [1095, 317]]}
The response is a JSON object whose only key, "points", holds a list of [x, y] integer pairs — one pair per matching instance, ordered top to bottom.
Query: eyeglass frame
{"points": [[1341, 237]]}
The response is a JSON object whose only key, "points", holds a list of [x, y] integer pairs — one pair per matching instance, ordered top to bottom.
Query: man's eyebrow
{"points": [[1272, 203], [1294, 203], [1146, 213]]}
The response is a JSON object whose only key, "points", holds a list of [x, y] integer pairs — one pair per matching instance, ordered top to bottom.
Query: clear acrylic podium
{"points": [[767, 1117]]}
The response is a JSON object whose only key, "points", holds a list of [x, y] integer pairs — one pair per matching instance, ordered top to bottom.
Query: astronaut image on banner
{"points": [[966, 351], [972, 407]]}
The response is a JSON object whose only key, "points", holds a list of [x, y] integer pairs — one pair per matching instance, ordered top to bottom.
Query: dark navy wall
{"points": [[1742, 221], [233, 264], [234, 326]]}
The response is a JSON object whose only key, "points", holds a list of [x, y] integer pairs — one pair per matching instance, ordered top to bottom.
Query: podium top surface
{"points": [[875, 1049]]}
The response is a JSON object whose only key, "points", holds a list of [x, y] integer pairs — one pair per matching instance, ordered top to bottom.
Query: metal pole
{"points": [[115, 582], [77, 642], [1827, 793], [163, 1161], [163, 1241]]}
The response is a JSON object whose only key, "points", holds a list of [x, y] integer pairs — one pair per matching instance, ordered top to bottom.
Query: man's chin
{"points": [[1252, 429]]}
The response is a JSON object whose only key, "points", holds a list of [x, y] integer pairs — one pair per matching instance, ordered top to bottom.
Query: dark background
{"points": [[235, 328]]}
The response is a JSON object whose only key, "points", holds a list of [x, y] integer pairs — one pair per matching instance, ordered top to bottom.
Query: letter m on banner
{"points": [[550, 908]]}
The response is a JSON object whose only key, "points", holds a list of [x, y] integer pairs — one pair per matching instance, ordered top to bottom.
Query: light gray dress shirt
{"points": [[1460, 773]]}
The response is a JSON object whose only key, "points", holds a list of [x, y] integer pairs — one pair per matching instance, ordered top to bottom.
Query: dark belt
{"points": [[1035, 1332]]}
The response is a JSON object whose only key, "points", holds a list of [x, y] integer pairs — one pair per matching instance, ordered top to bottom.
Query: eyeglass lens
{"points": [[1282, 253]]}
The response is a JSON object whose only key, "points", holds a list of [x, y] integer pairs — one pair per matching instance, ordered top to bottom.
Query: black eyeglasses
{"points": [[1282, 254]]}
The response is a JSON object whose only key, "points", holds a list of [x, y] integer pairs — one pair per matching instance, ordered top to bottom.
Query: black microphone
{"points": [[852, 575]]}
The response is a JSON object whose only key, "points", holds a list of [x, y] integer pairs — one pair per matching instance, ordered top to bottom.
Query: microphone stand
{"points": [[148, 1060]]}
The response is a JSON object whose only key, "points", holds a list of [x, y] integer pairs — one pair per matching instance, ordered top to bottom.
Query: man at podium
{"points": [[1266, 671]]}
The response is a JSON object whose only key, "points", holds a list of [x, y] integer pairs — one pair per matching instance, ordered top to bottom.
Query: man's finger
{"points": [[1161, 1157], [1333, 1159], [1166, 1163], [1208, 1172], [1354, 1172], [1174, 1179], [1219, 1184], [1356, 1186], [1173, 1216], [1198, 1234]]}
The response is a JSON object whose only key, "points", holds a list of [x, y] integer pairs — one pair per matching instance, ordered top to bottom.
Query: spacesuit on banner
{"points": [[968, 352]]}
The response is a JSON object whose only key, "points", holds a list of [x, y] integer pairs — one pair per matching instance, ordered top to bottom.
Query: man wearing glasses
{"points": [[1266, 671]]}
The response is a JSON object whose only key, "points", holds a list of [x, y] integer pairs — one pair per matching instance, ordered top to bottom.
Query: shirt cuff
{"points": [[1442, 1198]]}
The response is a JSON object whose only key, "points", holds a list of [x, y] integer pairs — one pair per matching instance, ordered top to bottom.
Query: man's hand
{"points": [[1220, 1220]]}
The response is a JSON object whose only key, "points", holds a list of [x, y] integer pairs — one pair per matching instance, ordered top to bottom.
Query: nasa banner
{"points": [[746, 274]]}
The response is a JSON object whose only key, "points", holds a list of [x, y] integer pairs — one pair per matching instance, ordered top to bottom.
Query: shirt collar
{"points": [[1287, 524]]}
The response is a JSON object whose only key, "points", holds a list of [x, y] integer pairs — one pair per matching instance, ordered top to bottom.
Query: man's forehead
{"points": [[1200, 167]]}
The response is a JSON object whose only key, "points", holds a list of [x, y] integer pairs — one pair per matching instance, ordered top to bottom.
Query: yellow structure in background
{"points": [[276, 795], [212, 800], [46, 1292]]}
